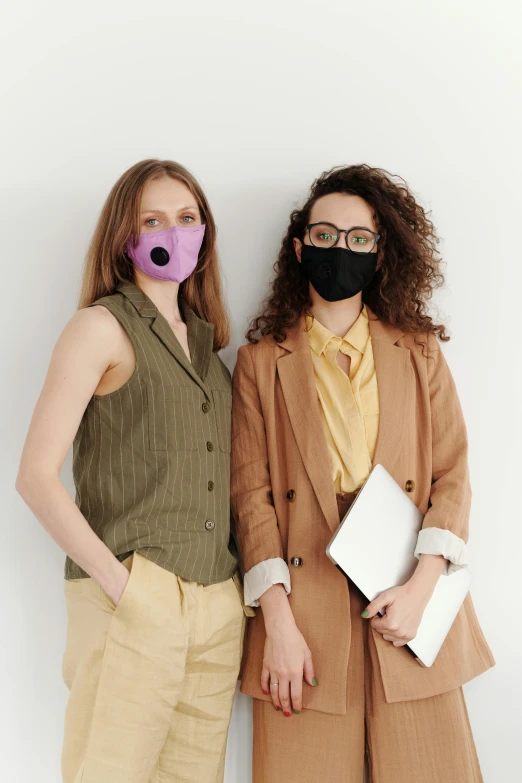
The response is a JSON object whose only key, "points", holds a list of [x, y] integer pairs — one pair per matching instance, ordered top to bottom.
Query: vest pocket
{"points": [[223, 408], [172, 418]]}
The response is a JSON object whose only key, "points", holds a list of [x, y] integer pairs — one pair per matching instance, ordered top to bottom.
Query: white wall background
{"points": [[257, 99]]}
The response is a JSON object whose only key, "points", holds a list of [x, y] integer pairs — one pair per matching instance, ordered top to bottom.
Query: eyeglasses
{"points": [[358, 238]]}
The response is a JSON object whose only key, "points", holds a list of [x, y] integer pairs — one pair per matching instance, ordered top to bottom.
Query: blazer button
{"points": [[205, 407], [210, 446], [409, 486], [290, 495], [210, 524], [297, 562]]}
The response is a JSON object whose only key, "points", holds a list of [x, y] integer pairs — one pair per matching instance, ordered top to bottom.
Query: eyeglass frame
{"points": [[346, 231]]}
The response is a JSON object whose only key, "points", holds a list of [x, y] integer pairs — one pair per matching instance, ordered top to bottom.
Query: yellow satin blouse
{"points": [[349, 405]]}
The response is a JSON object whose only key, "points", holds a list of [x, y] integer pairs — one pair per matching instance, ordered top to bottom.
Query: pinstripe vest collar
{"points": [[200, 333]]}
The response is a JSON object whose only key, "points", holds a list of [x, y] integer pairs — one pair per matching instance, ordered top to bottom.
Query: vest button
{"points": [[205, 407], [210, 446], [211, 486], [409, 486], [290, 495], [210, 524], [297, 562]]}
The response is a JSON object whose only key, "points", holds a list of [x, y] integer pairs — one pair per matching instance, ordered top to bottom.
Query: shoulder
{"points": [[114, 303], [95, 321], [92, 328], [89, 338], [420, 344], [265, 348], [427, 356], [258, 360]]}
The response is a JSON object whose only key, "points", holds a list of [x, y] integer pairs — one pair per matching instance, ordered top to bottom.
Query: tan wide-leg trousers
{"points": [[152, 680], [425, 741]]}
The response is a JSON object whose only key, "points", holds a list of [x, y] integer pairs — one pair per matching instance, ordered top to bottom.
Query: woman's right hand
{"points": [[116, 582], [287, 658]]}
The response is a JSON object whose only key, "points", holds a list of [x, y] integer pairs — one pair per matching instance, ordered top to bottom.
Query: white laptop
{"points": [[374, 546]]}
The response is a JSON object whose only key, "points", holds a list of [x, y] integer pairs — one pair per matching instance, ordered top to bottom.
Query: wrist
{"points": [[426, 575], [114, 578], [275, 606]]}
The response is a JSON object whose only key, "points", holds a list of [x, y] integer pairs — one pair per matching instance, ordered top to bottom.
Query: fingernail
{"points": [[366, 613], [314, 681], [265, 692], [297, 712], [287, 714]]}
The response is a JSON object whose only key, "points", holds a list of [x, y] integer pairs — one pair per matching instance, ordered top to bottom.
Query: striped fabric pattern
{"points": [[151, 461]]}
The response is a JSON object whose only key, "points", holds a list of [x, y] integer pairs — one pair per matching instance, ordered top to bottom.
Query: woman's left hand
{"points": [[406, 603], [404, 606]]}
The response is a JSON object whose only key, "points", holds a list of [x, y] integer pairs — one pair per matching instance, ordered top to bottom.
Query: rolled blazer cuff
{"points": [[437, 541], [262, 576]]}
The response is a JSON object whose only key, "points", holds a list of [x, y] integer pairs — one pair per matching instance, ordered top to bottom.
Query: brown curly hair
{"points": [[410, 267]]}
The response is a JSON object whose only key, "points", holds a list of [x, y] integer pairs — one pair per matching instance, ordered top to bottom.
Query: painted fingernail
{"points": [[366, 613], [314, 681], [265, 692], [297, 712], [287, 714]]}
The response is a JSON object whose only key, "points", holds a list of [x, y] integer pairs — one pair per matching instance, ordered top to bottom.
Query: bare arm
{"points": [[90, 346]]}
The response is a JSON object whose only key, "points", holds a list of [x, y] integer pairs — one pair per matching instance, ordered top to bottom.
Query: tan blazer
{"points": [[284, 502]]}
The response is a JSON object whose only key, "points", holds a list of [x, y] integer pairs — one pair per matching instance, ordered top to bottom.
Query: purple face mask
{"points": [[171, 254]]}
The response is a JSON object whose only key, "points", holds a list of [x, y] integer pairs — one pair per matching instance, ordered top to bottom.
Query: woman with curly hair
{"points": [[344, 371]]}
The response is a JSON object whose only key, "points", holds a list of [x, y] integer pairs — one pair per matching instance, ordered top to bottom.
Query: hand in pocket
{"points": [[119, 583]]}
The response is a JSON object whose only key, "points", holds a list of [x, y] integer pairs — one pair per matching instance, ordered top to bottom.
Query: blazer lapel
{"points": [[297, 378], [395, 384]]}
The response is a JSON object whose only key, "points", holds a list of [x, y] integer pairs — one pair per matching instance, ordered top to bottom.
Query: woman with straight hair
{"points": [[344, 371], [155, 614]]}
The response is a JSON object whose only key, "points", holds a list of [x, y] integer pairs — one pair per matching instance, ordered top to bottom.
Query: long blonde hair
{"points": [[107, 265]]}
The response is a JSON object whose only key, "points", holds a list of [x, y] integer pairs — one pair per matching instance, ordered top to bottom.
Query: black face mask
{"points": [[337, 273]]}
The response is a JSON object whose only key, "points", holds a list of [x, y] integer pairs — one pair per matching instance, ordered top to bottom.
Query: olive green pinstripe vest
{"points": [[151, 461]]}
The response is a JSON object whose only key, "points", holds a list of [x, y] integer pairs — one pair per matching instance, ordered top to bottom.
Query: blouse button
{"points": [[205, 407], [210, 446], [410, 485], [290, 495], [210, 524]]}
